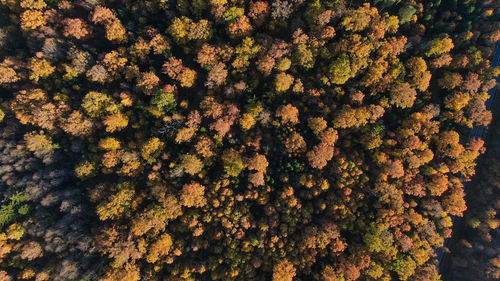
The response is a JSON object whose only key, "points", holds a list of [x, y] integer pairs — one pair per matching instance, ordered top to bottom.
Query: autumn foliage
{"points": [[275, 140]]}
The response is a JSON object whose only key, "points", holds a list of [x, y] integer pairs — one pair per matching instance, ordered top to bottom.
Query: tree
{"points": [[33, 4], [281, 9], [314, 9], [259, 11], [233, 13], [406, 13], [102, 14], [32, 19], [359, 19], [240, 27], [76, 28], [179, 29], [202, 30], [115, 31], [159, 44], [439, 46], [247, 50], [140, 51], [207, 56], [303, 56], [114, 62], [265, 64], [40, 68], [174, 68], [339, 70], [98, 74], [418, 74], [9, 75], [216, 76], [187, 78], [450, 80], [148, 82], [283, 82], [402, 95], [164, 101], [98, 104], [288, 114], [348, 117], [247, 121], [115, 122], [77, 124], [316, 124], [185, 134], [328, 136], [38, 141], [109, 143], [295, 143], [448, 144], [204, 147], [151, 149], [319, 156], [258, 162], [233, 163], [190, 164], [394, 168], [85, 169], [257, 179], [192, 195], [118, 203], [378, 238], [159, 248], [31, 251], [404, 266], [283, 271], [130, 272]]}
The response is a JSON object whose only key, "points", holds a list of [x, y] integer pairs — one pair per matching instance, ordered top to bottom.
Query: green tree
{"points": [[233, 13], [406, 13], [439, 46], [339, 70], [164, 101], [98, 104], [233, 163], [13, 207]]}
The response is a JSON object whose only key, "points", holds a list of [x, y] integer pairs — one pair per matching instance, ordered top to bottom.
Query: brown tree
{"points": [[76, 28], [402, 95], [288, 114], [319, 156], [192, 195]]}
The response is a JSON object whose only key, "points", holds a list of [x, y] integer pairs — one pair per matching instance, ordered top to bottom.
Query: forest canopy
{"points": [[278, 140]]}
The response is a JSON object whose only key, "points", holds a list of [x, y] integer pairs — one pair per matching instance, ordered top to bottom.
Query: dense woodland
{"points": [[239, 140]]}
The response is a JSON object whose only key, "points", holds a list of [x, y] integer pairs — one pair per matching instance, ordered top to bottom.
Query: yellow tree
{"points": [[32, 19], [40, 68], [283, 82], [115, 122], [38, 141], [151, 149], [118, 203], [160, 248], [283, 270]]}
